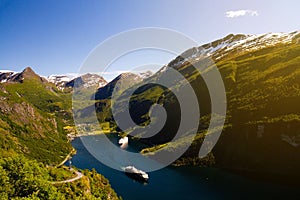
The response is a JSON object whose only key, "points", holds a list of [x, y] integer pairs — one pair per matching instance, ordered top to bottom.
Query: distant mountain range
{"points": [[63, 82]]}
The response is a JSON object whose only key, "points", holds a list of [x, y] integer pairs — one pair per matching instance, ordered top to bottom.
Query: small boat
{"points": [[123, 140], [136, 173]]}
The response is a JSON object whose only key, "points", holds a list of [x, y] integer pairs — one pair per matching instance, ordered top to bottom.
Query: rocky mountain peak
{"points": [[29, 71], [26, 74], [87, 81], [120, 83]]}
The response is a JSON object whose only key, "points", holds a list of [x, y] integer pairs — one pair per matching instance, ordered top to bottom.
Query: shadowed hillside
{"points": [[262, 82]]}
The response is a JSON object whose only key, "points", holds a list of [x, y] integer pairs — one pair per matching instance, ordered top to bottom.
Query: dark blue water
{"points": [[183, 182]]}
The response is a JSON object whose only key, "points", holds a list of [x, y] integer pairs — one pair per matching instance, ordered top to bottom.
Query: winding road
{"points": [[79, 176]]}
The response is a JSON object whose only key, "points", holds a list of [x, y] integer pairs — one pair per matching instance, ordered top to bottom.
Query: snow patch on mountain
{"points": [[262, 41], [221, 48], [6, 71], [144, 74], [6, 75], [61, 77], [71, 79], [59, 80], [93, 80]]}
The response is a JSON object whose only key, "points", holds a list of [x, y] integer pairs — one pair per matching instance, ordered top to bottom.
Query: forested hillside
{"points": [[262, 81]]}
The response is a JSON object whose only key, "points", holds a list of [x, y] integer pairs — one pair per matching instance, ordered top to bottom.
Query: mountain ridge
{"points": [[122, 81], [262, 82]]}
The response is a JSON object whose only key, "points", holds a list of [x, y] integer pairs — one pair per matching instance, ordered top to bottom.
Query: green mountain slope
{"points": [[261, 77], [263, 91], [33, 113], [32, 116], [21, 178]]}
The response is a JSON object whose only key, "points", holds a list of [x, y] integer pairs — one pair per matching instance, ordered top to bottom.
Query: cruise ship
{"points": [[136, 173]]}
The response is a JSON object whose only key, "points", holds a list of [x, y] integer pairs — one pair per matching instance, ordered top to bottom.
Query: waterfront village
{"points": [[88, 129]]}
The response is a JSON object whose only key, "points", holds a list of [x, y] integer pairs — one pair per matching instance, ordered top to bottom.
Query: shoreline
{"points": [[73, 136], [73, 152]]}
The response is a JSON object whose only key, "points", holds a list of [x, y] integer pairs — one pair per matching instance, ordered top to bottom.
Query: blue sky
{"points": [[55, 36]]}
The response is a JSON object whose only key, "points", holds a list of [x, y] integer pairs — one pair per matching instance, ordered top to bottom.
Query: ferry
{"points": [[136, 173]]}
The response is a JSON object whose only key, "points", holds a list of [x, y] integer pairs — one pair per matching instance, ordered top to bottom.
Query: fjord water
{"points": [[180, 182]]}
